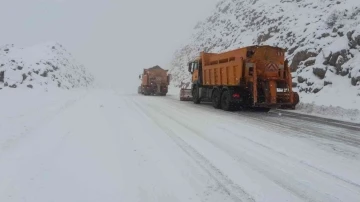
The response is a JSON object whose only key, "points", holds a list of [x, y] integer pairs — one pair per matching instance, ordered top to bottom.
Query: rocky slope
{"points": [[322, 38], [41, 67]]}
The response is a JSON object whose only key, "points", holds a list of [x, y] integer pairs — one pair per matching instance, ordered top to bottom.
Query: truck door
{"points": [[196, 72]]}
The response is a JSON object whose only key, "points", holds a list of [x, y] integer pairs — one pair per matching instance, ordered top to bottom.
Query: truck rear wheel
{"points": [[216, 99], [226, 101]]}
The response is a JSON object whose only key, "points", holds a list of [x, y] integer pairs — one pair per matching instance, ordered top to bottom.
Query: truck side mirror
{"points": [[189, 67], [139, 76]]}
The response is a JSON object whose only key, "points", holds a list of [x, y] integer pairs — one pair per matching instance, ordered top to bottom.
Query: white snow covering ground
{"points": [[322, 38], [43, 66], [25, 110], [63, 141], [104, 145]]}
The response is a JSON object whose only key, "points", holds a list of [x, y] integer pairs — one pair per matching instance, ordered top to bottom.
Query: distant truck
{"points": [[256, 77], [154, 81]]}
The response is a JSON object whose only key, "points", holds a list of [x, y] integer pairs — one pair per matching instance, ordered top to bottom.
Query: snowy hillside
{"points": [[322, 38], [42, 66]]}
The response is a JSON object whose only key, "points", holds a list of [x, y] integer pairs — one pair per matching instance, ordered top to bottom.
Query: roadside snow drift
{"points": [[42, 66]]}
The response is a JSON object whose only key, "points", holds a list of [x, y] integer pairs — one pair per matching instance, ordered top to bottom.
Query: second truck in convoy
{"points": [[251, 77], [154, 81]]}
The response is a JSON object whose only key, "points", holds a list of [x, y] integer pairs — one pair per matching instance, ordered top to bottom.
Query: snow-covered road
{"points": [[111, 146]]}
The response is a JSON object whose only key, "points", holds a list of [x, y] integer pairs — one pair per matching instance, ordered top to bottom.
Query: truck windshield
{"points": [[195, 65]]}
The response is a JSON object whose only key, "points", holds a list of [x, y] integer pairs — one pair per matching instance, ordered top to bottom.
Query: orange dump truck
{"points": [[250, 77], [154, 81]]}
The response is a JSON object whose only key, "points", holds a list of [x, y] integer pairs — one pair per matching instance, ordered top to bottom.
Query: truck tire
{"points": [[146, 92], [196, 97], [296, 98], [216, 99], [226, 101]]}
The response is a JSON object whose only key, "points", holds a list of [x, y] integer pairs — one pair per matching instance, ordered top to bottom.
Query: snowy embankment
{"points": [[322, 39], [42, 66], [26, 74], [330, 107], [104, 146]]}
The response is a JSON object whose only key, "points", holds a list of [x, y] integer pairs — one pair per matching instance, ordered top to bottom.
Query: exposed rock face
{"points": [[322, 38], [300, 57]]}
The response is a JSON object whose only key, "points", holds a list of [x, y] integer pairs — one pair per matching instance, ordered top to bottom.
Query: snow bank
{"points": [[43, 66], [331, 112]]}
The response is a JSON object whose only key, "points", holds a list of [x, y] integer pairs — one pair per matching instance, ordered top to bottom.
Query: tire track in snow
{"points": [[321, 120], [282, 125], [351, 126], [303, 128], [283, 129], [236, 134], [349, 137], [298, 161], [269, 175], [227, 185], [297, 188], [210, 189]]}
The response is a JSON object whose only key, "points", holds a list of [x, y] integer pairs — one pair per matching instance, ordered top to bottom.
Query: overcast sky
{"points": [[107, 36]]}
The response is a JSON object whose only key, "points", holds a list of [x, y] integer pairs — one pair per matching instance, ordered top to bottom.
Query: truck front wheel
{"points": [[195, 93]]}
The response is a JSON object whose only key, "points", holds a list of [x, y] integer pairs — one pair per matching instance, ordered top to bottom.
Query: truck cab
{"points": [[194, 67]]}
